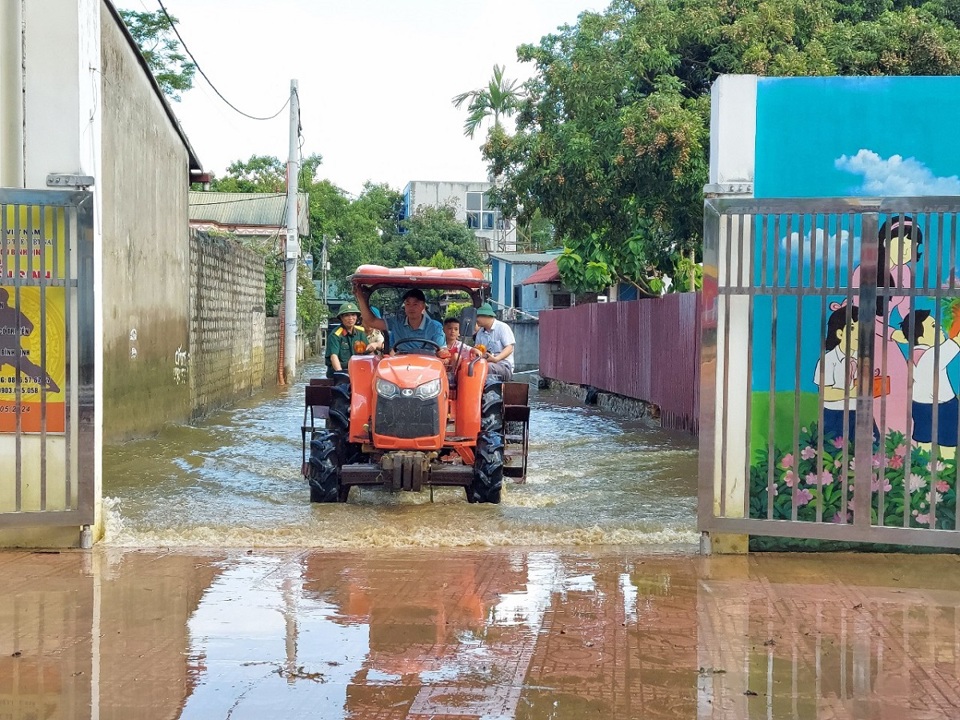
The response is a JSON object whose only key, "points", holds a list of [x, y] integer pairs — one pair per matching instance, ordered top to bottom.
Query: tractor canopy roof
{"points": [[469, 280]]}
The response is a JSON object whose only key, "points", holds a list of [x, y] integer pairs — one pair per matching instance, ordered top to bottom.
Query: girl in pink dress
{"points": [[897, 252]]}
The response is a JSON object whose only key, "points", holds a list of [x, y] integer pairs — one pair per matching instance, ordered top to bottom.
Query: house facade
{"points": [[471, 202], [523, 284]]}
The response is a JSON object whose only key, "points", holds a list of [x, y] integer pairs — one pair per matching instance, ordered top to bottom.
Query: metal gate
{"points": [[831, 335], [46, 358]]}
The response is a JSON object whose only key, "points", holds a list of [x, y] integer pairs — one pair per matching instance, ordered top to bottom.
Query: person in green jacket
{"points": [[342, 342]]}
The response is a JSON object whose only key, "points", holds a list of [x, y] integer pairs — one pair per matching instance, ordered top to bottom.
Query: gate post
{"points": [[863, 445]]}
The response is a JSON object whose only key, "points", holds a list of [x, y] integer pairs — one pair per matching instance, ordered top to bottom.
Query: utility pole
{"points": [[292, 250], [324, 266]]}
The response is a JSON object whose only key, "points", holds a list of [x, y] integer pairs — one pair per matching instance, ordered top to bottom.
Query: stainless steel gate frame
{"points": [[46, 251], [750, 278]]}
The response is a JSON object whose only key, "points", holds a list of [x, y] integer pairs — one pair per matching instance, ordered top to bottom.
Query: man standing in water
{"points": [[14, 325]]}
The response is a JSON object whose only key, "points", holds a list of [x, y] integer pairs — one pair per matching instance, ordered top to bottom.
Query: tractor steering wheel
{"points": [[418, 341]]}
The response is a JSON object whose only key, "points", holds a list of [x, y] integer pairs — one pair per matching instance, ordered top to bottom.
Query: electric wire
{"points": [[200, 70]]}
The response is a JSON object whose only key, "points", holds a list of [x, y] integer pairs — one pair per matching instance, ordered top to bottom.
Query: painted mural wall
{"points": [[856, 137]]}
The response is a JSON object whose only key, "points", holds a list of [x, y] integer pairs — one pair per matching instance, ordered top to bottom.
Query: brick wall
{"points": [[230, 344]]}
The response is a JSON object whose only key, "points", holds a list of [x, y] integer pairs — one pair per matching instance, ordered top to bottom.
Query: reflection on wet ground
{"points": [[234, 481], [493, 633]]}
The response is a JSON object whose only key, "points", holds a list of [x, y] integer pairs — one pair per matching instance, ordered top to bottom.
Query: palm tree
{"points": [[499, 98]]}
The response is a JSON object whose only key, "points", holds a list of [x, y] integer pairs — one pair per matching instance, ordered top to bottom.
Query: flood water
{"points": [[234, 480]]}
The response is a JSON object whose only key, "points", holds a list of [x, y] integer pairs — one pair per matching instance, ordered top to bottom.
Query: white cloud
{"points": [[896, 176], [825, 244]]}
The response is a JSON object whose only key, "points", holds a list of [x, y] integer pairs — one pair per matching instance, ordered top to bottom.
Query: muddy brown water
{"points": [[233, 481]]}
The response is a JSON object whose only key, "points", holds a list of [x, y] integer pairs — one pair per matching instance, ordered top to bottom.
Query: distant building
{"points": [[471, 201], [526, 283]]}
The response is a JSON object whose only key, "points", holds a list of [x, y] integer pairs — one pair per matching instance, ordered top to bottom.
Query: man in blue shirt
{"points": [[416, 324]]}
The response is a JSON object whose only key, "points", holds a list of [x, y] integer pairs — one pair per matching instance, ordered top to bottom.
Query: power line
{"points": [[200, 70]]}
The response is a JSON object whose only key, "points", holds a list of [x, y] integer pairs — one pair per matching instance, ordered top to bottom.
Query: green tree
{"points": [[160, 47], [498, 99], [612, 138], [259, 174], [364, 231], [433, 232]]}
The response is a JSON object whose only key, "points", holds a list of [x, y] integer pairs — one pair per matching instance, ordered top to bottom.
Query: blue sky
{"points": [[376, 78], [823, 137], [827, 137]]}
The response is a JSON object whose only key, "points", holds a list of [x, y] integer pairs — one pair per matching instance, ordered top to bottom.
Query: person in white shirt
{"points": [[921, 331], [498, 339], [838, 366]]}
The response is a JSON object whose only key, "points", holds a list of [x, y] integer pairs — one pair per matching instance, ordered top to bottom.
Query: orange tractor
{"points": [[409, 420]]}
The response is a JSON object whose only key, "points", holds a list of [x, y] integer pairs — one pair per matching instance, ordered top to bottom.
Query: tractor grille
{"points": [[407, 417]]}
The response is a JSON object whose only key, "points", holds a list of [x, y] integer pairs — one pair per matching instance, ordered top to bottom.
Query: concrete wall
{"points": [[146, 252], [527, 350]]}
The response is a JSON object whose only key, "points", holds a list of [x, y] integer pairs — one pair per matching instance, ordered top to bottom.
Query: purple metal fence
{"points": [[644, 349]]}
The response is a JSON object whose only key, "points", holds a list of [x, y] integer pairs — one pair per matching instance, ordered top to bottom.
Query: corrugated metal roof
{"points": [[229, 210], [524, 258], [546, 274]]}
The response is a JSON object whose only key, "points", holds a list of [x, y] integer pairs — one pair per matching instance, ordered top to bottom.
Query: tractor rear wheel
{"points": [[491, 408], [340, 423], [324, 470], [487, 470]]}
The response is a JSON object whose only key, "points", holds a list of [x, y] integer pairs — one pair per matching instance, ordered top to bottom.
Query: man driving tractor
{"points": [[415, 325]]}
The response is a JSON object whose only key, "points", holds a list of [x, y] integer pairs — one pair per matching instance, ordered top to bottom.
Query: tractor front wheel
{"points": [[324, 470], [487, 470]]}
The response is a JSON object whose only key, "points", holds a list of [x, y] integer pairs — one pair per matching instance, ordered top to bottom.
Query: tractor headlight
{"points": [[386, 389], [428, 390]]}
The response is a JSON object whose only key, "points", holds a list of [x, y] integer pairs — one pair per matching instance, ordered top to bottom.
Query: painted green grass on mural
{"points": [[784, 411], [902, 498]]}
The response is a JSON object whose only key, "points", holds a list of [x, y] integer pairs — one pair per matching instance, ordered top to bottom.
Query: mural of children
{"points": [[894, 270], [14, 325], [927, 335], [839, 367]]}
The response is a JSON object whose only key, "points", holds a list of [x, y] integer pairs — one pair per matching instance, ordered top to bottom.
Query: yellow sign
{"points": [[32, 321]]}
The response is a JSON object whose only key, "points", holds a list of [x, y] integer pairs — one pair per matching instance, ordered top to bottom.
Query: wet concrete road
{"points": [[494, 633]]}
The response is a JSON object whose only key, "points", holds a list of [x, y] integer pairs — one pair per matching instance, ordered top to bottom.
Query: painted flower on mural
{"points": [[809, 479]]}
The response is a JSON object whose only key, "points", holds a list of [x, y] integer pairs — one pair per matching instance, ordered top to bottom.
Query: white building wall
{"points": [[454, 194]]}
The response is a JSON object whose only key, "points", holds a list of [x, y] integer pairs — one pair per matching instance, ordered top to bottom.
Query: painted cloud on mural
{"points": [[896, 176], [820, 244]]}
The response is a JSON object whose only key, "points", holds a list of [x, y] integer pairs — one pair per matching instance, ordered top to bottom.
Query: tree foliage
{"points": [[158, 44], [499, 98], [612, 138], [368, 229], [370, 233]]}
